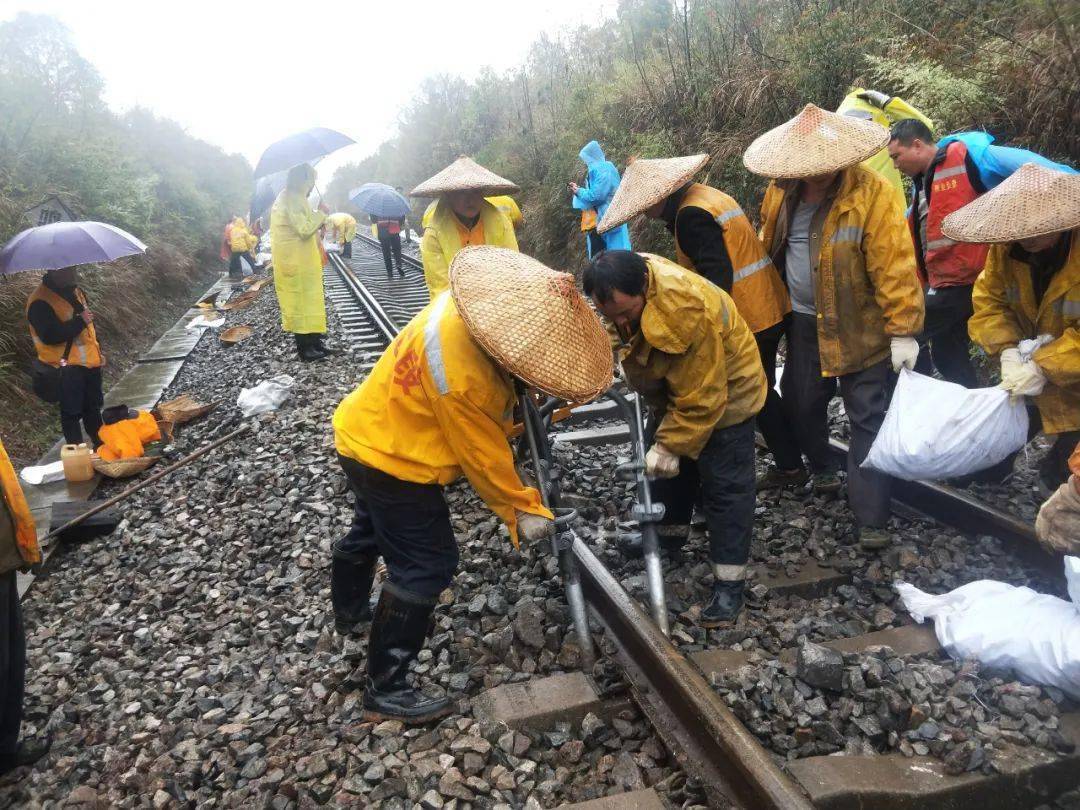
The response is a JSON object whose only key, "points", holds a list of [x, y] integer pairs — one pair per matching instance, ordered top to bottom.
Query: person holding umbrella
{"points": [[387, 210], [461, 217], [294, 249], [67, 370]]}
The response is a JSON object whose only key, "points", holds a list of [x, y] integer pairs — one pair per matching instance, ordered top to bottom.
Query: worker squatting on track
{"points": [[341, 228], [438, 405]]}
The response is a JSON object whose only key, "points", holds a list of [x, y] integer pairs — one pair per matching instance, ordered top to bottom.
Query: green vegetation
{"points": [[681, 77], [139, 172]]}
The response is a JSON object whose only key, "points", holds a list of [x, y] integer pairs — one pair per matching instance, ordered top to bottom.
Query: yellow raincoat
{"points": [[895, 110], [509, 207], [429, 212], [344, 226], [445, 236], [241, 240], [294, 247], [866, 289], [1005, 314], [694, 359], [435, 407], [26, 551]]}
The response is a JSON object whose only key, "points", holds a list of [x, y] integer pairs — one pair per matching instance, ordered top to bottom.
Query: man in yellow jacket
{"points": [[461, 217], [344, 228], [836, 230], [714, 238], [241, 242], [294, 246], [1027, 298], [688, 352], [439, 405], [18, 550]]}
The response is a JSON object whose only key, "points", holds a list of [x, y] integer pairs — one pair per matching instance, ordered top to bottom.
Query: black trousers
{"points": [[596, 243], [346, 249], [391, 249], [236, 269], [945, 333], [806, 396], [80, 401], [772, 421], [723, 475], [407, 524], [12, 663]]}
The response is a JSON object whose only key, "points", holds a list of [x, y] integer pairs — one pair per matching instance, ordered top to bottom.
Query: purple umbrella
{"points": [[303, 147], [65, 244]]}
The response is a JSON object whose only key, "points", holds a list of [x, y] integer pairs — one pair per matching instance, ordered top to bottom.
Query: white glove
{"points": [[905, 351], [1010, 362], [1025, 380], [659, 463], [1058, 523], [534, 527]]}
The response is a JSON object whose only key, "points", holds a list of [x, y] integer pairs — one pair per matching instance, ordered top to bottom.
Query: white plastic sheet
{"points": [[202, 321], [266, 396], [936, 429], [43, 474], [1003, 626]]}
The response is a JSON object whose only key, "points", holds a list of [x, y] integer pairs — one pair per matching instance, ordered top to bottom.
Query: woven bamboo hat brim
{"points": [[814, 142], [464, 174], [645, 183], [1034, 201], [532, 321]]}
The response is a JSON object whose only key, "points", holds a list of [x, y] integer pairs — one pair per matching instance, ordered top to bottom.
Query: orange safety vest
{"points": [[946, 263], [757, 289], [84, 348]]}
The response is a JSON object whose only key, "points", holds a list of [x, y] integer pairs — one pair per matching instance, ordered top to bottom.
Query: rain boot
{"points": [[308, 349], [351, 576], [725, 604], [397, 636]]}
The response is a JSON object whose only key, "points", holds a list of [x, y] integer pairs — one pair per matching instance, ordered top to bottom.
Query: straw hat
{"points": [[814, 142], [464, 174], [647, 182], [1034, 201], [532, 321]]}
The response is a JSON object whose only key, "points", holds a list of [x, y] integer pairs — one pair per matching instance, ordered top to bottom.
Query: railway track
{"points": [[674, 682]]}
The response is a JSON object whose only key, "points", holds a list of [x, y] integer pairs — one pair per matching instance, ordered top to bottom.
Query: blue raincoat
{"points": [[996, 163], [602, 181]]}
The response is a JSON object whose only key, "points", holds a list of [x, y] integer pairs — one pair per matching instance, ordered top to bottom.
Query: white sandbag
{"points": [[204, 321], [266, 396], [936, 430], [43, 473], [1006, 627]]}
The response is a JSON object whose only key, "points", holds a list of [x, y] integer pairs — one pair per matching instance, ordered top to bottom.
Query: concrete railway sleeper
{"points": [[675, 683]]}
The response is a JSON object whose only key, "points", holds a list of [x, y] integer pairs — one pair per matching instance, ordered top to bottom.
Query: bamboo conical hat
{"points": [[814, 142], [464, 174], [646, 182], [1033, 201], [532, 321]]}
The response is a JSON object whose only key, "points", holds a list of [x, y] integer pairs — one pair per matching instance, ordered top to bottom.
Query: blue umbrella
{"points": [[303, 147], [266, 191], [380, 200], [65, 244]]}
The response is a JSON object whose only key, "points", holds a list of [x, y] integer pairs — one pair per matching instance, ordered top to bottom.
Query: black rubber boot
{"points": [[320, 344], [308, 349], [350, 590], [724, 606], [397, 635]]}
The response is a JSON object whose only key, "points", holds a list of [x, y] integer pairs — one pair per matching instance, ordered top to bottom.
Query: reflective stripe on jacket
{"points": [[445, 236], [947, 263], [866, 289], [758, 291], [1005, 314], [85, 350], [693, 359], [435, 407], [23, 522]]}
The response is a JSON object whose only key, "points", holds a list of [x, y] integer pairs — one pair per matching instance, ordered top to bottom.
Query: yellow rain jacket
{"points": [[895, 110], [509, 207], [429, 212], [344, 226], [445, 236], [241, 240], [294, 247], [866, 289], [1005, 314], [693, 359], [435, 407], [126, 438], [26, 551]]}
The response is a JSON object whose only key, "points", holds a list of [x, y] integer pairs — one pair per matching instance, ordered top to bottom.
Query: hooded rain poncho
{"points": [[602, 182]]}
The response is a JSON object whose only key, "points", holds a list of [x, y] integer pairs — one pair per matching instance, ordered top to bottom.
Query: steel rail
{"points": [[383, 322]]}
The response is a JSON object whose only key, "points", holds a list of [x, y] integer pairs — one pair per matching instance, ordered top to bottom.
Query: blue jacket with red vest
{"points": [[967, 165]]}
